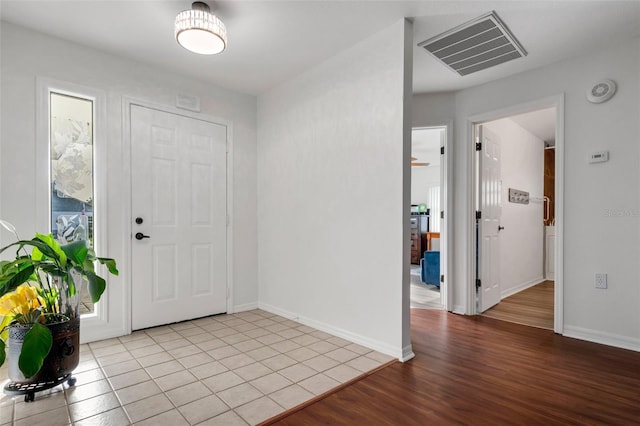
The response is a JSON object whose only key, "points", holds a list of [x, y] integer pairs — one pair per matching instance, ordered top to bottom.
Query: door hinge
{"points": [[478, 146], [442, 150], [442, 215], [478, 215], [228, 220], [441, 278], [478, 283]]}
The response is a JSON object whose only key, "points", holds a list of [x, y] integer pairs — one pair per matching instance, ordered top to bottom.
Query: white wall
{"points": [[27, 55], [433, 109], [423, 178], [332, 215], [601, 225], [521, 240]]}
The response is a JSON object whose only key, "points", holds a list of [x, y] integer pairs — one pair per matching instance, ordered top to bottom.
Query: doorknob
{"points": [[500, 228], [140, 235]]}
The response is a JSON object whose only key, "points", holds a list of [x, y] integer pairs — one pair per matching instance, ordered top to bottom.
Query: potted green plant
{"points": [[39, 302]]}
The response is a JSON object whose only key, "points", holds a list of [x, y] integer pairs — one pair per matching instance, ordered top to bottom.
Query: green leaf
{"points": [[51, 245], [44, 246], [76, 252], [110, 264], [88, 265], [51, 269], [9, 282], [70, 284], [96, 286], [4, 328], [35, 348], [3, 352]]}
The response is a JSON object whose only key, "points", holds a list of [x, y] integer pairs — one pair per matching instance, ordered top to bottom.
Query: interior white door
{"points": [[489, 223], [179, 250]]}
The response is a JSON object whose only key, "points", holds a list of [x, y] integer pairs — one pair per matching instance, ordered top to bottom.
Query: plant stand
{"points": [[57, 367], [29, 389]]}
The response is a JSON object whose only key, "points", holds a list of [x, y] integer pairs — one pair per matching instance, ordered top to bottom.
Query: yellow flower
{"points": [[28, 292], [23, 301], [9, 304]]}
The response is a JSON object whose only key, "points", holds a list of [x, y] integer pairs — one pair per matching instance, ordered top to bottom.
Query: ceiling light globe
{"points": [[199, 31]]}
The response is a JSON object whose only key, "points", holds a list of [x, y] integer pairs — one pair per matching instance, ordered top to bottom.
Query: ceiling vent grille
{"points": [[479, 44]]}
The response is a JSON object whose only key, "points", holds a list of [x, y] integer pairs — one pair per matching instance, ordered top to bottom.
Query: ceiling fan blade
{"points": [[414, 158], [419, 164]]}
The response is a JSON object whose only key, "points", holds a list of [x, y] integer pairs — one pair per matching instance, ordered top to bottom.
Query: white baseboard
{"points": [[520, 287], [244, 307], [459, 309], [102, 334], [595, 336], [375, 345], [407, 353]]}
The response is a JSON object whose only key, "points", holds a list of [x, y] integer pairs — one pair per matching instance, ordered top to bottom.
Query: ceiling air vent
{"points": [[481, 43]]}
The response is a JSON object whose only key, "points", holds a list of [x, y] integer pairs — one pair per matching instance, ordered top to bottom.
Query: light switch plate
{"points": [[599, 157], [518, 196], [601, 280]]}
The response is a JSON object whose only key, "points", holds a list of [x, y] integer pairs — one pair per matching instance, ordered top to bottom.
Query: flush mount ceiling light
{"points": [[200, 31]]}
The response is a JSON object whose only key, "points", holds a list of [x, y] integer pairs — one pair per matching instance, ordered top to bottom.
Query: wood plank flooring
{"points": [[532, 307], [481, 371]]}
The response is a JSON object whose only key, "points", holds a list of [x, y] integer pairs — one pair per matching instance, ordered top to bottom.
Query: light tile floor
{"points": [[233, 369]]}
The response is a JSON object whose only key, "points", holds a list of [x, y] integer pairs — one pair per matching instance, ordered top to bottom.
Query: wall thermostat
{"points": [[601, 91], [599, 157]]}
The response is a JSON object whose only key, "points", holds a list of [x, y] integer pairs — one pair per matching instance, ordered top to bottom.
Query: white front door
{"points": [[178, 172], [489, 223]]}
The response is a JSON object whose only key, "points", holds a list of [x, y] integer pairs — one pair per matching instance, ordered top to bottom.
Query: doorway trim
{"points": [[556, 102], [446, 164], [127, 214], [96, 325]]}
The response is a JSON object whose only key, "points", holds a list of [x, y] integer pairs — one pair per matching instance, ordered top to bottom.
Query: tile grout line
{"points": [[283, 329]]}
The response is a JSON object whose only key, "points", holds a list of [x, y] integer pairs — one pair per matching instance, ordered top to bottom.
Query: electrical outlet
{"points": [[601, 280]]}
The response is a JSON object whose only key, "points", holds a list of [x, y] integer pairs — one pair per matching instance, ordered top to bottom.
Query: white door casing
{"points": [[178, 178], [471, 191], [488, 225], [549, 250], [444, 294]]}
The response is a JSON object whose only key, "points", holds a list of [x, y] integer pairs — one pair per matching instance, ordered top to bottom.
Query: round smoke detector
{"points": [[602, 91]]}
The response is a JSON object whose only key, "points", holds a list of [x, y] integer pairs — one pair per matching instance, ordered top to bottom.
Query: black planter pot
{"points": [[62, 359]]}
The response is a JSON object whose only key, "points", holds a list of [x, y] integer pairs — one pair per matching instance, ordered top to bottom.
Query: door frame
{"points": [[556, 102], [446, 177], [127, 213], [97, 325]]}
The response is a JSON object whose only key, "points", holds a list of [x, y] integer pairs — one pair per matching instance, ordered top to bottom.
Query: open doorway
{"points": [[428, 194], [515, 217]]}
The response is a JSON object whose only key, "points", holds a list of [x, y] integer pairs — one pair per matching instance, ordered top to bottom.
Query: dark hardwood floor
{"points": [[481, 371]]}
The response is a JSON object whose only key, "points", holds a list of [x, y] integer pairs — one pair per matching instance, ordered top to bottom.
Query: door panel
{"points": [[179, 191], [490, 206]]}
